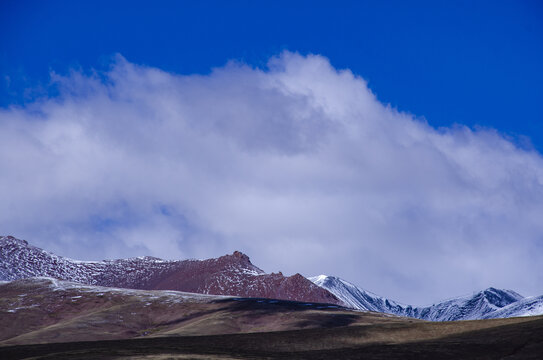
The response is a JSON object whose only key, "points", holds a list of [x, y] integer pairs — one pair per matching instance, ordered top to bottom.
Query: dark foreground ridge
{"points": [[515, 340]]}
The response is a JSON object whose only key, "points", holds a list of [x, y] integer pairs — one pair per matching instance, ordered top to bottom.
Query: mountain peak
{"points": [[12, 239], [240, 255], [237, 258], [319, 278], [500, 297]]}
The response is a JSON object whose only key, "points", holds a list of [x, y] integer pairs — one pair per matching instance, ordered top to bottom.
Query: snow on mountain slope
{"points": [[19, 260], [227, 275], [236, 275], [169, 296], [355, 297], [484, 304], [477, 306], [530, 306]]}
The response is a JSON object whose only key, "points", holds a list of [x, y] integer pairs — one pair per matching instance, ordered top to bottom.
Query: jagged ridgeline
{"points": [[227, 275], [235, 275], [486, 304]]}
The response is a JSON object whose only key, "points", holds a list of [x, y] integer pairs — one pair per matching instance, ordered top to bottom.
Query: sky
{"points": [[396, 145]]}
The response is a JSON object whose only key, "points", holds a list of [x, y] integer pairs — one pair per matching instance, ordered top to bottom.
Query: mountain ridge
{"points": [[232, 274], [235, 275], [485, 304]]}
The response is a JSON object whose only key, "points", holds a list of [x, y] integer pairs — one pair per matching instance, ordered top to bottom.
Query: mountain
{"points": [[227, 275], [235, 275], [355, 297], [486, 304], [481, 305], [529, 306]]}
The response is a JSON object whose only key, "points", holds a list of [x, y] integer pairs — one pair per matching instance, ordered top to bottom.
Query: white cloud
{"points": [[298, 165]]}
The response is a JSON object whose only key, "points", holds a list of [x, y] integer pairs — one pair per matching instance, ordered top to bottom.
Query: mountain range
{"points": [[235, 275], [485, 304], [46, 318]]}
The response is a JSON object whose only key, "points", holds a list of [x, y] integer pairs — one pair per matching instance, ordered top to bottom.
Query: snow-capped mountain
{"points": [[227, 275], [354, 297], [486, 304], [480, 305], [529, 306]]}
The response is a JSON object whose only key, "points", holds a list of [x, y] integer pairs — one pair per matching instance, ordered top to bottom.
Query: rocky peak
{"points": [[14, 240], [241, 256], [500, 298]]}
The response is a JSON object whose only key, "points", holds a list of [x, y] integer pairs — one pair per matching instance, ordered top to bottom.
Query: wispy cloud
{"points": [[298, 164]]}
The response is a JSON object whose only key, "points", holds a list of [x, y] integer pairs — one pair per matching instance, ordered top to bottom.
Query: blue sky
{"points": [[373, 140]]}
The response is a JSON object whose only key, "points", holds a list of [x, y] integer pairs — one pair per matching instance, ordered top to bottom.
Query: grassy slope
{"points": [[36, 312], [155, 325], [517, 340]]}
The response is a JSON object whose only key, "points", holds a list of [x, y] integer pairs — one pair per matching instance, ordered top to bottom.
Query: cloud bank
{"points": [[298, 165]]}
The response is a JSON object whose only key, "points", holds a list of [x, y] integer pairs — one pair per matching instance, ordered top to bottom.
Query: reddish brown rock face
{"points": [[227, 275], [235, 275]]}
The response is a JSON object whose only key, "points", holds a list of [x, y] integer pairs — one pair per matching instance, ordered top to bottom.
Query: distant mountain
{"points": [[227, 275], [235, 275], [355, 297], [486, 304], [478, 306], [529, 306]]}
